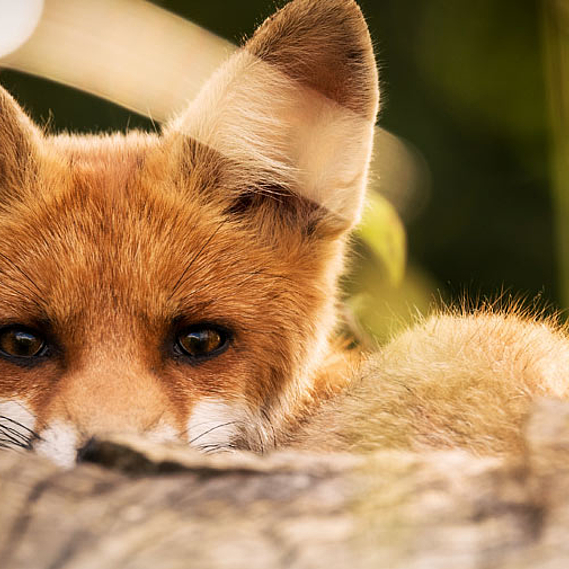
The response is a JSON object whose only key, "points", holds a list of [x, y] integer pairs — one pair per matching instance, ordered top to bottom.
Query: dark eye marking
{"points": [[202, 341], [21, 343]]}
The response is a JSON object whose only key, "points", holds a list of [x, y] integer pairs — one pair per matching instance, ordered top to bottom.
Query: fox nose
{"points": [[63, 444], [97, 450], [88, 451]]}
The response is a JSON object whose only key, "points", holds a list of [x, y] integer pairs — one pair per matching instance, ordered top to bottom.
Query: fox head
{"points": [[182, 285]]}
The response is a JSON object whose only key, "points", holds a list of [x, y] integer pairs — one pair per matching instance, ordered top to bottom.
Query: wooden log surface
{"points": [[140, 505]]}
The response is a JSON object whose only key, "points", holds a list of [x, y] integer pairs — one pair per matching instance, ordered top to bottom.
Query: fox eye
{"points": [[203, 341], [21, 343]]}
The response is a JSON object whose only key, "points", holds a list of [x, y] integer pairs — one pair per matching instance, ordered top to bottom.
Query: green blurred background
{"points": [[465, 86]]}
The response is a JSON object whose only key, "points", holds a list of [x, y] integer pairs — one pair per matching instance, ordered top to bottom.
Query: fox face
{"points": [[182, 285]]}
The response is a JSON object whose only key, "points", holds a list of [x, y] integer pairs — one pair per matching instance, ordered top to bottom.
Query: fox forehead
{"points": [[104, 224]]}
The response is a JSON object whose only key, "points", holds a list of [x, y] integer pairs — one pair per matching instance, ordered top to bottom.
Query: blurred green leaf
{"points": [[382, 231], [377, 310]]}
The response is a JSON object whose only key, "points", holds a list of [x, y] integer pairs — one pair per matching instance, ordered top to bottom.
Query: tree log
{"points": [[137, 505]]}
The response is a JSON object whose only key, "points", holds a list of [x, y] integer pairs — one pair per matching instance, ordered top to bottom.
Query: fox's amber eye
{"points": [[203, 341], [21, 343]]}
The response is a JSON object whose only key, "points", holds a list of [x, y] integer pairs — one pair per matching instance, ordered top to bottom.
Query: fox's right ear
{"points": [[19, 140]]}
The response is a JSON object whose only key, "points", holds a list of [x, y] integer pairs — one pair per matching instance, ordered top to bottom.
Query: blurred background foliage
{"points": [[465, 89]]}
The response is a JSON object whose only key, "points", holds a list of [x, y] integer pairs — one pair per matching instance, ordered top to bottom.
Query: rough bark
{"points": [[148, 506]]}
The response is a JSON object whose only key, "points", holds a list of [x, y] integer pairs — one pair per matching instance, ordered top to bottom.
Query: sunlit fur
{"points": [[236, 215], [456, 379]]}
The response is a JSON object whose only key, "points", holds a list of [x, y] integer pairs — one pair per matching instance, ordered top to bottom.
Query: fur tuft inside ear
{"points": [[295, 108]]}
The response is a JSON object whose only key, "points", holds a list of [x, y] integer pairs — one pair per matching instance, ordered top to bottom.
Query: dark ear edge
{"points": [[325, 45], [18, 146]]}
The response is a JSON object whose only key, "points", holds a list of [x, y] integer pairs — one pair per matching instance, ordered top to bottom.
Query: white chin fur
{"points": [[214, 425], [59, 443]]}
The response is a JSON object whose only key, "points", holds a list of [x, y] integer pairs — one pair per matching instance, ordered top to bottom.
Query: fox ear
{"points": [[293, 110], [18, 143]]}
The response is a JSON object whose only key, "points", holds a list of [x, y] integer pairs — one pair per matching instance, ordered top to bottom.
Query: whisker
{"points": [[18, 424], [212, 429], [14, 435], [8, 437], [8, 442], [210, 449]]}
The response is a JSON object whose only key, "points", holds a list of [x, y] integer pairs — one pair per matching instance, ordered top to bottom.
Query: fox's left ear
{"points": [[293, 111]]}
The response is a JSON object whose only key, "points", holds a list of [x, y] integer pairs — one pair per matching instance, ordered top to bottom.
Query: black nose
{"points": [[87, 452]]}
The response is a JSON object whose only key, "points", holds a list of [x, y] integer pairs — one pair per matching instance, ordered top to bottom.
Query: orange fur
{"points": [[236, 215]]}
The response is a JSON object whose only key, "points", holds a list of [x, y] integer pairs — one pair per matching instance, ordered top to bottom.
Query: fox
{"points": [[182, 285]]}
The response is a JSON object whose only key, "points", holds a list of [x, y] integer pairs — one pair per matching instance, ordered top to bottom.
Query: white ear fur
{"points": [[280, 130]]}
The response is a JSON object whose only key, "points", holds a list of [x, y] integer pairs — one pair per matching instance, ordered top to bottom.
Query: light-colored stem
{"points": [[556, 39]]}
